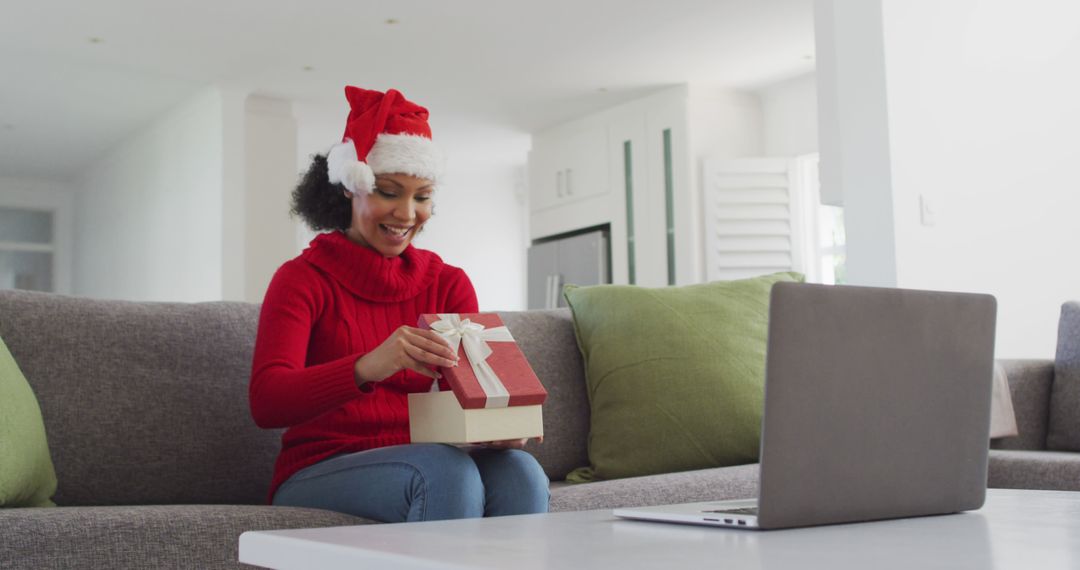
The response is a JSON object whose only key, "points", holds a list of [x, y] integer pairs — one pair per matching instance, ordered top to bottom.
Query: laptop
{"points": [[877, 406]]}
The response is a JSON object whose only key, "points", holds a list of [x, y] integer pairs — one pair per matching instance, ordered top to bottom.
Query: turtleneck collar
{"points": [[369, 275]]}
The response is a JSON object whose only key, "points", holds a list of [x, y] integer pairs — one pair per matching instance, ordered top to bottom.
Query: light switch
{"points": [[926, 211]]}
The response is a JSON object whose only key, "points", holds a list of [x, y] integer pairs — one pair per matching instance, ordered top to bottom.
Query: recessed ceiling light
{"points": [[392, 21], [95, 40], [309, 68]]}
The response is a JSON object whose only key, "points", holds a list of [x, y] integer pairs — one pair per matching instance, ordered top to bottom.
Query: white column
{"points": [[853, 134], [269, 178], [233, 215]]}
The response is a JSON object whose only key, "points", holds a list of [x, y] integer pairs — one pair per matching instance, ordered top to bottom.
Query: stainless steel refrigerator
{"points": [[581, 259]]}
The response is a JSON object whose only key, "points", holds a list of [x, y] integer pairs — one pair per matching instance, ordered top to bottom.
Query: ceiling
{"points": [[79, 77]]}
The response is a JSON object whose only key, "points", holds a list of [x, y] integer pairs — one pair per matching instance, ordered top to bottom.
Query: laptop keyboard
{"points": [[740, 511]]}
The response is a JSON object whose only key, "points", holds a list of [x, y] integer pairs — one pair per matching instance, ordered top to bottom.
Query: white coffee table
{"points": [[1016, 529]]}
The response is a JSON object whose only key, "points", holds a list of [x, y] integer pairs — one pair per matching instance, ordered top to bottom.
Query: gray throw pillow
{"points": [[1063, 433]]}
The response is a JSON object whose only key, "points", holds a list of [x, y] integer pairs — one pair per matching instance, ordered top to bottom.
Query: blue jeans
{"points": [[421, 482]]}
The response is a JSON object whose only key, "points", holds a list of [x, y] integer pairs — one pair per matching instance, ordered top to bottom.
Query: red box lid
{"points": [[516, 383]]}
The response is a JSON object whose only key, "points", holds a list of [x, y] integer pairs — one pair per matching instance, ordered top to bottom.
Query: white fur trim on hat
{"points": [[406, 154], [343, 168]]}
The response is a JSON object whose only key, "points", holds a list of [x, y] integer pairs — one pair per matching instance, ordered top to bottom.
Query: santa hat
{"points": [[385, 133]]}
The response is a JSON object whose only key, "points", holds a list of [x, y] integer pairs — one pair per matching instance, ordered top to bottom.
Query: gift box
{"points": [[492, 372], [494, 393], [437, 417]]}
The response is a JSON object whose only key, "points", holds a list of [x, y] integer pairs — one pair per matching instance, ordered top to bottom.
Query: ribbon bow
{"points": [[474, 337]]}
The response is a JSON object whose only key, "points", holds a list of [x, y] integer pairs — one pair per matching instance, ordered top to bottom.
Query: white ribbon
{"points": [[475, 337]]}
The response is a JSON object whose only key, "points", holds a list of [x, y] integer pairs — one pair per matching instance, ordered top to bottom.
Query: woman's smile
{"points": [[395, 233]]}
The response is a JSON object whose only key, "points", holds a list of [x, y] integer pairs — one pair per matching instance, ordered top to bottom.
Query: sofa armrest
{"points": [[1029, 385]]}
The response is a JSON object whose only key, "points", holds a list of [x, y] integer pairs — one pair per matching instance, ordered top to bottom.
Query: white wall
{"points": [[789, 121], [724, 123], [981, 123], [984, 123], [317, 128], [269, 177], [233, 201], [195, 206], [148, 216], [481, 217], [480, 222], [479, 226]]}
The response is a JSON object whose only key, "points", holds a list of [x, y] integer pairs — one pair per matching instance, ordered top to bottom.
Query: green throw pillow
{"points": [[675, 375], [27, 478]]}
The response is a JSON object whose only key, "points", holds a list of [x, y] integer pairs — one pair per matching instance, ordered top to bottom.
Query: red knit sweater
{"points": [[324, 310]]}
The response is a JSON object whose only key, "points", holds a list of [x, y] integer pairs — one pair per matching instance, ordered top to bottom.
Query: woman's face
{"points": [[388, 218]]}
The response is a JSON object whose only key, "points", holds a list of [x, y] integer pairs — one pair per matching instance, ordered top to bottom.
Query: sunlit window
{"points": [[823, 239], [831, 250]]}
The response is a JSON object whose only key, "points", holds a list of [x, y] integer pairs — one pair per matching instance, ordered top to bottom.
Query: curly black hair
{"points": [[321, 204]]}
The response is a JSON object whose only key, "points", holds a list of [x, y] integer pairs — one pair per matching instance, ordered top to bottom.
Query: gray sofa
{"points": [[1046, 399], [160, 465]]}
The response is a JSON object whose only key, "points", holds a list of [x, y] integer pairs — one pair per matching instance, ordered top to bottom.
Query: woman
{"points": [[337, 351]]}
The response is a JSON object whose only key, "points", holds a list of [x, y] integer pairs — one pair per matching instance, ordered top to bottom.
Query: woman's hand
{"points": [[406, 348], [510, 443]]}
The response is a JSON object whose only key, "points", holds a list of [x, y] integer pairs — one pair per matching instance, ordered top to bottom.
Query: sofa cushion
{"points": [[675, 375], [144, 403], [1064, 430], [1020, 469], [27, 478], [739, 482], [190, 536]]}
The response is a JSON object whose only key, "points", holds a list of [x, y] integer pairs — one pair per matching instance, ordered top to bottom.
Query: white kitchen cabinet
{"points": [[646, 150], [568, 164], [642, 186], [627, 209], [36, 238]]}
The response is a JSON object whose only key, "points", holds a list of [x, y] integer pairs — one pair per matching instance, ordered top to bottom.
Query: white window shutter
{"points": [[753, 219]]}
